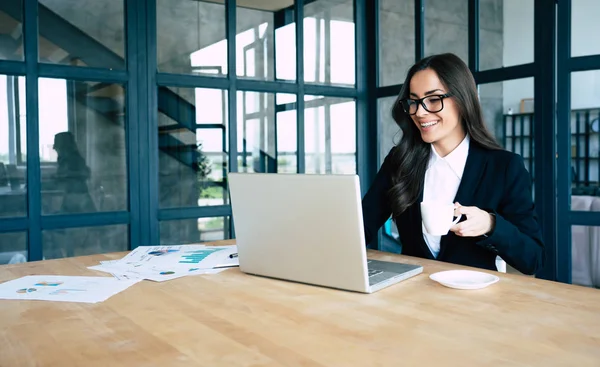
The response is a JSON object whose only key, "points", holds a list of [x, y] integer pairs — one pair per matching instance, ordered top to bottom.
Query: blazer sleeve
{"points": [[376, 208], [517, 236]]}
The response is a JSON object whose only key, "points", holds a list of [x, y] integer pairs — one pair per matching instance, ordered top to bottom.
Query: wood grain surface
{"points": [[235, 319]]}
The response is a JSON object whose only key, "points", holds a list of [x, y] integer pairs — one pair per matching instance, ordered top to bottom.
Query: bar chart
{"points": [[195, 257]]}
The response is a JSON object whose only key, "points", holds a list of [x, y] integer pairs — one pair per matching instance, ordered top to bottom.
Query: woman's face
{"points": [[443, 128]]}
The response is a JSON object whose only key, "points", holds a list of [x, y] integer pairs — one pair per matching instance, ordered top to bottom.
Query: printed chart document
{"points": [[161, 263], [63, 288]]}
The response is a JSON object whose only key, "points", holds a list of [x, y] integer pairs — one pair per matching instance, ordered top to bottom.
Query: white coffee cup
{"points": [[438, 217]]}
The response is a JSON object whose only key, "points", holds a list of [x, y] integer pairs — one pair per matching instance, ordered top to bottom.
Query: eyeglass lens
{"points": [[431, 104]]}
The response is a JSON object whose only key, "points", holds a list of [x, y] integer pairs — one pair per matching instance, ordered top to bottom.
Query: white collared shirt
{"points": [[442, 179]]}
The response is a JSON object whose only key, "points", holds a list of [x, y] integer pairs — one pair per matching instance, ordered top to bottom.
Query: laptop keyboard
{"points": [[373, 272]]}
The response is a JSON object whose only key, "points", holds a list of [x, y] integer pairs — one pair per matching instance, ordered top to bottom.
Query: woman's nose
{"points": [[421, 111]]}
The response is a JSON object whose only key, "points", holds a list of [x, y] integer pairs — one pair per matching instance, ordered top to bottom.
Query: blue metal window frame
{"points": [[366, 18], [134, 65], [566, 65], [12, 67], [141, 80], [298, 87], [545, 133], [34, 199], [35, 222]]}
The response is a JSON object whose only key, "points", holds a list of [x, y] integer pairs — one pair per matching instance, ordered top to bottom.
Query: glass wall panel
{"points": [[446, 27], [585, 27], [11, 30], [88, 33], [505, 33], [191, 37], [329, 39], [396, 40], [260, 41], [285, 44], [505, 102], [507, 108], [508, 112], [286, 127], [390, 131], [330, 135], [390, 137], [585, 140], [266, 144], [193, 146], [13, 147], [83, 153], [194, 230], [59, 243], [13, 248], [585, 253]]}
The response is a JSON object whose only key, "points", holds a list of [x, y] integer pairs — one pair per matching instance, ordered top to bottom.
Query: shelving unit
{"points": [[518, 137], [585, 146]]}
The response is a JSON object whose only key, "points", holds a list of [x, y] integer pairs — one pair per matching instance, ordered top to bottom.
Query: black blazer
{"points": [[493, 180]]}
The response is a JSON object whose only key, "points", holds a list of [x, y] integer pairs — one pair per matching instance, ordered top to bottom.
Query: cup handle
{"points": [[454, 222]]}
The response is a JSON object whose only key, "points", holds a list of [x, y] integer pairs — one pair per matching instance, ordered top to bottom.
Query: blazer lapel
{"points": [[474, 167], [419, 223]]}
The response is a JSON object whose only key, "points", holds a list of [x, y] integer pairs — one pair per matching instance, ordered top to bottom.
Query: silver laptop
{"points": [[309, 229]]}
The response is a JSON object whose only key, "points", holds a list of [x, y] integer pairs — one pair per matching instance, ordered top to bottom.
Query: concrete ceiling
{"points": [[267, 5], [7, 24]]}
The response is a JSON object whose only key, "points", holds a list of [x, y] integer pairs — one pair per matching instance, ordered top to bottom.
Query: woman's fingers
{"points": [[477, 222]]}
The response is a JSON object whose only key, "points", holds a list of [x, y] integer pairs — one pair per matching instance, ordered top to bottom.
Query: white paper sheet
{"points": [[157, 254], [184, 256], [161, 263], [151, 273], [63, 288]]}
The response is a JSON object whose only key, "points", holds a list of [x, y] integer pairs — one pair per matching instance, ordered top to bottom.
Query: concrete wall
{"points": [[492, 15], [103, 20], [183, 26], [446, 27], [518, 30], [396, 40], [390, 132]]}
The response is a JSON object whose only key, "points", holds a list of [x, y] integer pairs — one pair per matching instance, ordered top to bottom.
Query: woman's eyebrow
{"points": [[428, 92]]}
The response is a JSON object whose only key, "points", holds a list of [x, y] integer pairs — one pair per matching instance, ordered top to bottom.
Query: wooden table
{"points": [[234, 319]]}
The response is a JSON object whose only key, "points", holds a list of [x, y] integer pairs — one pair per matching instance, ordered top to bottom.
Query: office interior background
{"points": [[160, 99]]}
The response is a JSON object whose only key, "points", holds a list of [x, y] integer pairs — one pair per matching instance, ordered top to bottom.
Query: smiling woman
{"points": [[447, 156]]}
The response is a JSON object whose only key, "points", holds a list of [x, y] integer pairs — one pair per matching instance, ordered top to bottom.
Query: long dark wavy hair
{"points": [[410, 157]]}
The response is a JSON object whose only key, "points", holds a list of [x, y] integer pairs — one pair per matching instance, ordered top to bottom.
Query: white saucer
{"points": [[464, 279]]}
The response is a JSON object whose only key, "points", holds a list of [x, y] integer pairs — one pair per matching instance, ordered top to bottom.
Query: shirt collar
{"points": [[457, 159]]}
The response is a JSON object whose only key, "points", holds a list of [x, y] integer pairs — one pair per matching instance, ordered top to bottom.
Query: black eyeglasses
{"points": [[434, 103]]}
